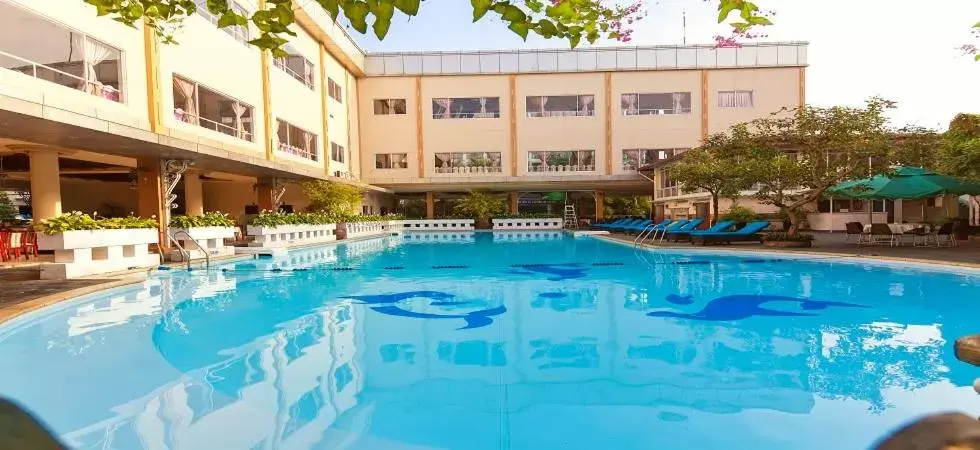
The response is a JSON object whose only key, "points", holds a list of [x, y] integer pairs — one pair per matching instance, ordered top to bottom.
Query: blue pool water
{"points": [[499, 341]]}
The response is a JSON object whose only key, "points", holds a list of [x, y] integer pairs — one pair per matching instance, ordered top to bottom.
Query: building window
{"points": [[239, 32], [46, 50], [296, 66], [335, 91], [735, 99], [656, 104], [390, 106], [560, 106], [207, 108], [466, 108], [297, 141], [337, 152], [636, 158], [391, 161], [561, 161], [468, 162], [668, 187], [843, 205]]}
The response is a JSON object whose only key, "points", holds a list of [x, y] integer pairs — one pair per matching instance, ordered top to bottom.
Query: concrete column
{"points": [[45, 185], [264, 193], [193, 194], [150, 195], [600, 202], [514, 203], [430, 205]]}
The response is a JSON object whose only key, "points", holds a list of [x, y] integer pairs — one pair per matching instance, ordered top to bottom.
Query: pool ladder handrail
{"points": [[648, 231], [186, 254]]}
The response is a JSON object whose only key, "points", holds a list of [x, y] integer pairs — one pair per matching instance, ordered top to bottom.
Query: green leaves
{"points": [[480, 8]]}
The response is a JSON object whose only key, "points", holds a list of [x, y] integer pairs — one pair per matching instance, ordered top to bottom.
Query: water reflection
{"points": [[260, 359]]}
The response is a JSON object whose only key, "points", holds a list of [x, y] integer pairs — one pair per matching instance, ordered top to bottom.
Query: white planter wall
{"points": [[550, 223], [440, 225], [365, 229], [291, 235], [531, 236], [441, 237], [212, 239], [88, 252]]}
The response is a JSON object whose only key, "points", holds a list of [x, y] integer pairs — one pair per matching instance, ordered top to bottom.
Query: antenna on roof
{"points": [[684, 20]]}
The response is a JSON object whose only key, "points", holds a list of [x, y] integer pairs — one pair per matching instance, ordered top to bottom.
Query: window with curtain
{"points": [[239, 32], [51, 52], [296, 65], [334, 90], [735, 99], [654, 104], [560, 105], [390, 106], [208, 108], [466, 108], [297, 141], [337, 152], [636, 158], [391, 161], [561, 161], [479, 162]]}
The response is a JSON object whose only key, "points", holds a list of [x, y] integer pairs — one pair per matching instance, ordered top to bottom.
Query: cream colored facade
{"points": [[112, 102]]}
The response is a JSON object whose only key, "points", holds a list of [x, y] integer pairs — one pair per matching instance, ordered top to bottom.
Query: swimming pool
{"points": [[518, 340]]}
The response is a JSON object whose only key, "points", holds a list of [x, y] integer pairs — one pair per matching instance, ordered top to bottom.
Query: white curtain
{"points": [[95, 54], [187, 90], [726, 99], [735, 99], [631, 100], [678, 100], [544, 101], [586, 101], [446, 104], [483, 106], [239, 111], [308, 141], [975, 210]]}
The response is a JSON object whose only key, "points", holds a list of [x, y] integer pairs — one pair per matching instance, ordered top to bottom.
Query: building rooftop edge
{"points": [[578, 50]]}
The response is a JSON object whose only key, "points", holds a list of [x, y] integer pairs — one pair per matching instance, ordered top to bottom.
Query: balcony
{"points": [[53, 75], [207, 108], [209, 124], [296, 151], [561, 161], [562, 168], [470, 169], [668, 192]]}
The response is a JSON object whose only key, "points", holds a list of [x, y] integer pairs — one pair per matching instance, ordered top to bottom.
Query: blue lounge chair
{"points": [[614, 223], [625, 225], [688, 227], [636, 228], [749, 232], [677, 235]]}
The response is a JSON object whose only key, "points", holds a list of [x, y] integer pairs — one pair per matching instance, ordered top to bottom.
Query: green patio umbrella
{"points": [[904, 183], [554, 197]]}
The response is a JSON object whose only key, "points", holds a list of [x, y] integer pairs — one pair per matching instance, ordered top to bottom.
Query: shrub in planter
{"points": [[739, 214], [208, 219], [76, 220], [787, 240]]}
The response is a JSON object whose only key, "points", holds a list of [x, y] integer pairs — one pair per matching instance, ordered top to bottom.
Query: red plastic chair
{"points": [[28, 244], [4, 246], [14, 246]]}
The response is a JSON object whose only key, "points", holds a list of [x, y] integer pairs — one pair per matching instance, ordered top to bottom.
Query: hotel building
{"points": [[98, 116]]}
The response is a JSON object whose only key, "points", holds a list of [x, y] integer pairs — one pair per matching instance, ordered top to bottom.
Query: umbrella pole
{"points": [[831, 214]]}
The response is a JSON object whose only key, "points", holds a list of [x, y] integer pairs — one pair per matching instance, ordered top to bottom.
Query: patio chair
{"points": [[616, 222], [626, 225], [638, 227], [854, 229], [683, 231], [747, 233], [881, 233], [678, 235], [944, 235], [920, 236], [28, 244], [4, 246]]}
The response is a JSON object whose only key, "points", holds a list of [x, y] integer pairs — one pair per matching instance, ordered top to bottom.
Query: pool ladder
{"points": [[650, 232], [186, 255]]}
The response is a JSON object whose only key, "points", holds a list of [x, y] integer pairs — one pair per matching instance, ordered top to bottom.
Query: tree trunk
{"points": [[714, 209], [794, 221]]}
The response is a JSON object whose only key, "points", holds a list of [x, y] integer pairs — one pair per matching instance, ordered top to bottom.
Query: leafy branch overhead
{"points": [[572, 20]]}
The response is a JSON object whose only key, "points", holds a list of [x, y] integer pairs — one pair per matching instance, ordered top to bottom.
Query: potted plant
{"points": [[481, 206], [740, 215], [209, 231], [786, 240], [86, 245]]}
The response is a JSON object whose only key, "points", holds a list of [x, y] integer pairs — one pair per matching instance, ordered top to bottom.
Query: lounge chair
{"points": [[616, 222], [626, 224], [688, 227], [637, 228], [854, 229], [747, 233], [881, 233], [677, 235], [944, 235]]}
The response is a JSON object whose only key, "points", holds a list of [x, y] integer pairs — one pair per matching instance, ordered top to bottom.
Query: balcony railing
{"points": [[50, 74], [305, 79], [655, 111], [588, 113], [467, 115], [209, 124], [297, 151], [469, 169], [551, 169], [672, 191]]}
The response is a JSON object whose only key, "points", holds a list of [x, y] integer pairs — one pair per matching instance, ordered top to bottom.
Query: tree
{"points": [[959, 150], [797, 154], [715, 167], [334, 198], [481, 205], [626, 205], [8, 211]]}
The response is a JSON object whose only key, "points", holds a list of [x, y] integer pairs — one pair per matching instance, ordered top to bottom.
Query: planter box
{"points": [[550, 223], [440, 225], [354, 230], [285, 236], [443, 236], [530, 236], [212, 239], [89, 252]]}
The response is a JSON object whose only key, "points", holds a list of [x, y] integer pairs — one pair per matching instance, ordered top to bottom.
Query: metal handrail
{"points": [[103, 89], [183, 116], [187, 255]]}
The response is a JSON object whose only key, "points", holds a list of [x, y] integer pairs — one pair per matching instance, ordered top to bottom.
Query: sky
{"points": [[902, 50]]}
